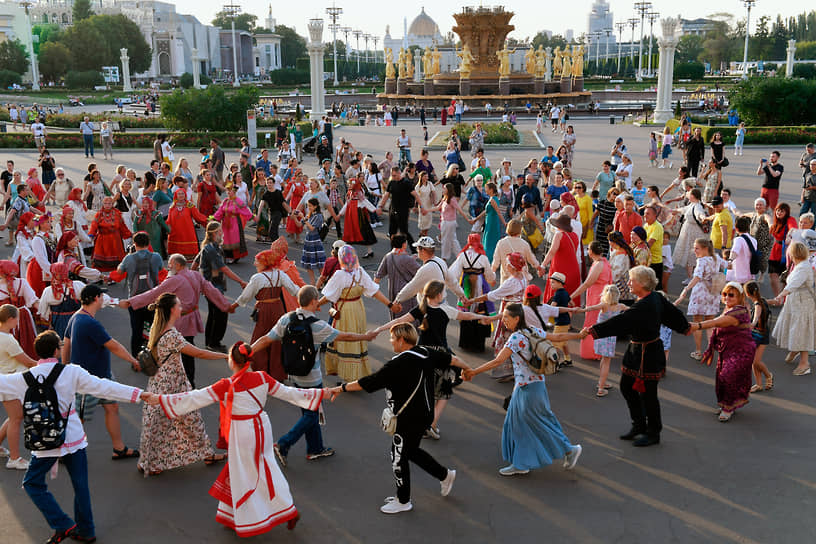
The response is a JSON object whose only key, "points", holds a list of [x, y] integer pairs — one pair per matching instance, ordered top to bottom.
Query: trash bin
{"points": [[611, 119], [711, 121], [362, 122], [3, 128]]}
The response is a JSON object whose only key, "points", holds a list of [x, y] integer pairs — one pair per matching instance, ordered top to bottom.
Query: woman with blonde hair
{"points": [[703, 304], [171, 443]]}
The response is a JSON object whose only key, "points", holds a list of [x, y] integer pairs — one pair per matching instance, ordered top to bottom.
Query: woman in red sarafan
{"points": [[294, 192], [109, 231], [182, 238], [16, 291]]}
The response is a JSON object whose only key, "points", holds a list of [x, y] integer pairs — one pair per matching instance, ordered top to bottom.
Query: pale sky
{"points": [[530, 16]]}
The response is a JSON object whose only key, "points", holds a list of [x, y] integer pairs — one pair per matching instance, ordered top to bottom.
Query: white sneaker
{"points": [[671, 165], [661, 166], [3, 452], [572, 457], [18, 464], [510, 470], [447, 483], [395, 507]]}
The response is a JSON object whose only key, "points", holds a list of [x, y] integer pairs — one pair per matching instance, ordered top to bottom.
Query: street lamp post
{"points": [[748, 4], [642, 8], [232, 11], [334, 14], [653, 16], [633, 23], [620, 26], [346, 30], [358, 34], [608, 35], [367, 38], [376, 39], [35, 76]]}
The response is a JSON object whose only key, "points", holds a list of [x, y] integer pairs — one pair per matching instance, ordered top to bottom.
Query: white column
{"points": [[315, 48], [789, 62], [196, 68], [665, 71], [126, 86]]}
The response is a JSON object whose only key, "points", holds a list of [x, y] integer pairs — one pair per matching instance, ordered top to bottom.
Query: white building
{"points": [[601, 19], [13, 26], [694, 26], [423, 32], [267, 49]]}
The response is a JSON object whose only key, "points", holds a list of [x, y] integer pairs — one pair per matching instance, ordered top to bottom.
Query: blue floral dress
{"points": [[314, 256], [605, 347]]}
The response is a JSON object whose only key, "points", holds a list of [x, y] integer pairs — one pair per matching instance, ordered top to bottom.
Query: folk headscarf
{"points": [[75, 194], [177, 197], [23, 223], [64, 223], [474, 242], [62, 244], [276, 254], [348, 258], [516, 261], [60, 281]]}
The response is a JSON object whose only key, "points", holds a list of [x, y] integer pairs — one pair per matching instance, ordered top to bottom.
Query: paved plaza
{"points": [[748, 481]]}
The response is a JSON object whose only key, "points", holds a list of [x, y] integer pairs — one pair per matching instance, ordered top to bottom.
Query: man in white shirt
{"points": [[555, 113], [87, 129], [38, 131], [284, 154], [474, 164], [513, 243], [433, 268], [71, 379]]}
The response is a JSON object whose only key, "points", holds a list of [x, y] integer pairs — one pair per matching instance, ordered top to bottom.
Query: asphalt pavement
{"points": [[749, 481]]}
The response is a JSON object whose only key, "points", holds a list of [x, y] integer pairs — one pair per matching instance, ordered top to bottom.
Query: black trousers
{"points": [[694, 167], [398, 222], [337, 223], [274, 224], [658, 268], [138, 319], [216, 325], [189, 362], [644, 408], [405, 448]]}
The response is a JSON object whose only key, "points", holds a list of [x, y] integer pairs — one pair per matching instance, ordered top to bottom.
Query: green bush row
{"points": [[495, 133], [787, 135], [132, 140]]}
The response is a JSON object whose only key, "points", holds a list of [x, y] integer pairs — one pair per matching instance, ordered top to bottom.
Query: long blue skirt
{"points": [[532, 436]]}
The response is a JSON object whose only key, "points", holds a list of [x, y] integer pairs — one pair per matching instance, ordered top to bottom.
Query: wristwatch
{"points": [[390, 305], [343, 387]]}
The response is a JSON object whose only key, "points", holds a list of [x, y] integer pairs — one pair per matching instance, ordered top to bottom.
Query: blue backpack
{"points": [[44, 425]]}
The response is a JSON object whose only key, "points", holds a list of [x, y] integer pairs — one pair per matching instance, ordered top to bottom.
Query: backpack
{"points": [[756, 257], [143, 279], [297, 345], [544, 357], [44, 425]]}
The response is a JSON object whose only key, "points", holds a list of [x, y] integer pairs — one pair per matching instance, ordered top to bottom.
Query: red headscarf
{"points": [[176, 194], [76, 195], [24, 220], [474, 242], [62, 244], [275, 255], [516, 260], [9, 270], [60, 282]]}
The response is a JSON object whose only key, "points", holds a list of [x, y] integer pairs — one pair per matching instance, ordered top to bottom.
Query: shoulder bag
{"points": [[705, 227], [334, 313], [544, 357], [147, 363], [388, 420]]}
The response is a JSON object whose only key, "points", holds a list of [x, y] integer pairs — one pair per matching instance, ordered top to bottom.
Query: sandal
{"points": [[696, 355], [769, 382], [756, 388], [601, 392], [725, 416], [124, 453], [213, 459], [151, 473]]}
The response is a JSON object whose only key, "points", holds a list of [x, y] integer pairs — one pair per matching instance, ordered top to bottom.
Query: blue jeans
{"points": [[458, 118], [88, 139], [405, 153], [808, 206], [309, 425], [34, 483]]}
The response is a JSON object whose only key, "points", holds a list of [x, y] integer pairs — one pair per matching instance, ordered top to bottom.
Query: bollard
{"points": [[611, 119]]}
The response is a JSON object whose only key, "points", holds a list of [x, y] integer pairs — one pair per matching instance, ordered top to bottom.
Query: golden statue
{"points": [[437, 57], [467, 57], [530, 60], [504, 61], [578, 61], [427, 62], [540, 62], [557, 62], [389, 63], [401, 63], [409, 64], [566, 67]]}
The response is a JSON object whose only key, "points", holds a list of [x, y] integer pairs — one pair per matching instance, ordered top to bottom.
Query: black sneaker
{"points": [[632, 434], [645, 440], [327, 452], [59, 536]]}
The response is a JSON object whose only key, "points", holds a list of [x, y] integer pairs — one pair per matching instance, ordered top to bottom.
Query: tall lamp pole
{"points": [[748, 4], [642, 8], [232, 11], [334, 14], [653, 16], [633, 23], [620, 26], [346, 30], [358, 34], [608, 35], [367, 38], [376, 39], [35, 76]]}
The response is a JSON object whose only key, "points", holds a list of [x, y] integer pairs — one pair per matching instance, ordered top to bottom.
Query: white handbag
{"points": [[388, 420]]}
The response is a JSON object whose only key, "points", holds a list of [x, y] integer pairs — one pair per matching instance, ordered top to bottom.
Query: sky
{"points": [[572, 14]]}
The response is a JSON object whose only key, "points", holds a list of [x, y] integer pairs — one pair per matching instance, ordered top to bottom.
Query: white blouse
{"points": [[263, 279], [342, 279]]}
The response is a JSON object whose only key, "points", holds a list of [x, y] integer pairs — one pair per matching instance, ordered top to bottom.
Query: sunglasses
{"points": [[729, 294]]}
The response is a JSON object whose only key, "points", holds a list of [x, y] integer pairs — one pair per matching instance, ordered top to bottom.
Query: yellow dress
{"points": [[585, 211], [349, 360]]}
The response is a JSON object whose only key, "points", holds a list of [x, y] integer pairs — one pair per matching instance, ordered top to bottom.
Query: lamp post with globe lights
{"points": [[232, 11], [357, 35]]}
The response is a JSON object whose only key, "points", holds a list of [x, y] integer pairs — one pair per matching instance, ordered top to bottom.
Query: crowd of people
{"points": [[542, 248]]}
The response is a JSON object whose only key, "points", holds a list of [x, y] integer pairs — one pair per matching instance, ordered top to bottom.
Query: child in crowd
{"points": [[739, 140], [652, 150], [639, 192], [314, 255], [668, 263], [331, 265], [561, 299], [761, 334], [605, 347]]}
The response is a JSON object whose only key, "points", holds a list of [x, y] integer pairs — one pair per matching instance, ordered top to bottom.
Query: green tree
{"points": [[81, 10], [243, 21], [46, 33], [109, 33], [555, 41], [719, 43], [293, 45], [690, 48], [341, 50], [13, 56], [54, 60], [775, 101], [210, 109]]}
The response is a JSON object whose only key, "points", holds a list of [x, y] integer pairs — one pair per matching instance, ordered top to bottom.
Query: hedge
{"points": [[495, 133], [791, 135], [128, 140]]}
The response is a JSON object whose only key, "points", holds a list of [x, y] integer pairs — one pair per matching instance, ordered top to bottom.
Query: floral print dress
{"points": [[702, 301], [171, 443]]}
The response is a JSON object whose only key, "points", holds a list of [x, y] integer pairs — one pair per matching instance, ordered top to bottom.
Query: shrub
{"points": [[689, 70], [807, 71], [289, 76], [9, 78], [83, 80], [186, 80], [775, 101], [209, 109], [495, 133], [792, 135], [133, 140]]}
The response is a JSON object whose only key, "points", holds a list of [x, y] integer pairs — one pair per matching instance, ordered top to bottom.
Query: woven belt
{"points": [[350, 299], [269, 300], [191, 310]]}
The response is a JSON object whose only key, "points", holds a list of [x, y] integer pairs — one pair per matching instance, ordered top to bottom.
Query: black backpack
{"points": [[756, 258], [143, 280], [298, 350], [43, 423]]}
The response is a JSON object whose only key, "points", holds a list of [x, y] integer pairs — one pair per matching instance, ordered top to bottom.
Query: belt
{"points": [[350, 299], [269, 300], [188, 312], [63, 313], [639, 386]]}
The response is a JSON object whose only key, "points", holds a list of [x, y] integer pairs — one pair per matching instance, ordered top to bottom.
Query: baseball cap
{"points": [[426, 242], [532, 291], [89, 293]]}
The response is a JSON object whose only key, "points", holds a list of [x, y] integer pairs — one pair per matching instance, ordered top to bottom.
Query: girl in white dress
{"points": [[427, 200], [704, 302]]}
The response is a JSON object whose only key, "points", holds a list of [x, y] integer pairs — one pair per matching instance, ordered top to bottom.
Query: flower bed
{"points": [[495, 133], [793, 135]]}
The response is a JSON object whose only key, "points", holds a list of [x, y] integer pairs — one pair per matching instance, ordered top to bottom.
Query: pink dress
{"points": [[298, 191], [594, 297]]}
